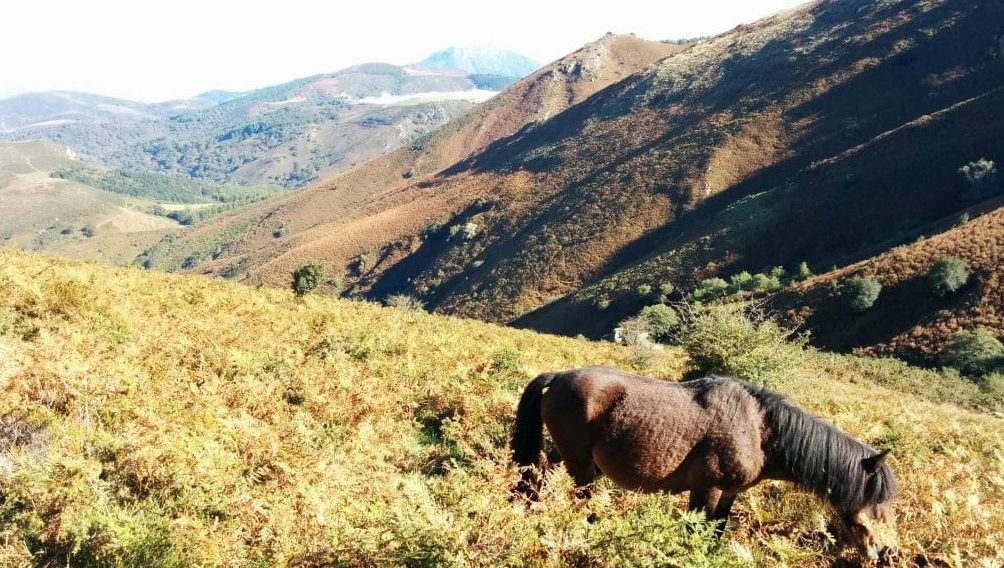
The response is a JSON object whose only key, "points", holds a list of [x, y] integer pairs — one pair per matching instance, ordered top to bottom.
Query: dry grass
{"points": [[153, 420]]}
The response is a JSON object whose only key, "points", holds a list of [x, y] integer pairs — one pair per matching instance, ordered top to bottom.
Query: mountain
{"points": [[481, 60], [60, 108], [287, 134], [825, 134], [398, 195], [162, 420]]}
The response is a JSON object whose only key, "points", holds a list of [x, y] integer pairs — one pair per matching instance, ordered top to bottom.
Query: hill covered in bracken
{"points": [[827, 135], [396, 195], [168, 421]]}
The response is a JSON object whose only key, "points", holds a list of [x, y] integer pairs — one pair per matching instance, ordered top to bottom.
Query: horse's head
{"points": [[872, 527]]}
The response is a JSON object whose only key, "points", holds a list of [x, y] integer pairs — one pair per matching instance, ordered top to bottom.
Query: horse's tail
{"points": [[528, 433]]}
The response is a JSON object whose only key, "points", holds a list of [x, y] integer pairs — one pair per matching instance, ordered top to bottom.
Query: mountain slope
{"points": [[825, 134], [398, 195], [40, 212], [909, 320], [157, 420]]}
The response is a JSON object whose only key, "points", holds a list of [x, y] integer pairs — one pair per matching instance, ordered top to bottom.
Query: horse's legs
{"points": [[583, 472], [704, 499], [715, 503], [721, 514]]}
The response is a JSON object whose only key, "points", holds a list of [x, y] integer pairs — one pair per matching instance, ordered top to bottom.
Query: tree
{"points": [[947, 275], [307, 277], [861, 292], [974, 353]]}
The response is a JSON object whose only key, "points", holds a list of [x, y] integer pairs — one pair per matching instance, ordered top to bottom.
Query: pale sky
{"points": [[155, 51]]}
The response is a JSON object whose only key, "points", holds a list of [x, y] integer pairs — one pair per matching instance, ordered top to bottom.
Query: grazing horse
{"points": [[713, 437]]}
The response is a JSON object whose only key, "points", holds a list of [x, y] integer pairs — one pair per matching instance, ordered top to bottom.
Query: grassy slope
{"points": [[397, 195], [37, 209], [151, 419]]}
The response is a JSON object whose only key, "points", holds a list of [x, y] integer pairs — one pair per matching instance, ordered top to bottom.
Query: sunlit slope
{"points": [[157, 420]]}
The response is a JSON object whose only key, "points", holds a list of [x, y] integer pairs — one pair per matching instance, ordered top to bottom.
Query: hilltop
{"points": [[481, 60], [827, 134], [398, 195], [163, 420]]}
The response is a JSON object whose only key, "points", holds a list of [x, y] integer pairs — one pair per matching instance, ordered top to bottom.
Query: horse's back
{"points": [[643, 432]]}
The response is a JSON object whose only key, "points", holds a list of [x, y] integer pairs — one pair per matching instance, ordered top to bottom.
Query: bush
{"points": [[981, 176], [804, 272], [947, 275], [307, 277], [740, 282], [765, 283], [710, 288], [665, 289], [644, 290], [861, 292], [404, 301], [662, 321], [635, 331], [746, 344], [974, 353]]}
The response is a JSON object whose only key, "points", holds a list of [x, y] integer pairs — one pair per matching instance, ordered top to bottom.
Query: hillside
{"points": [[288, 134], [827, 134], [40, 212], [336, 220], [910, 321], [158, 420]]}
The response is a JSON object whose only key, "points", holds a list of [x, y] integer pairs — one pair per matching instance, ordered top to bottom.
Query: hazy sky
{"points": [[153, 51]]}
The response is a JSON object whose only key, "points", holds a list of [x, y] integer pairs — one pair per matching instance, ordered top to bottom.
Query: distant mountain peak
{"points": [[481, 60]]}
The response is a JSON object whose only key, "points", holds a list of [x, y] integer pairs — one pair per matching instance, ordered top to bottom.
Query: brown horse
{"points": [[713, 437]]}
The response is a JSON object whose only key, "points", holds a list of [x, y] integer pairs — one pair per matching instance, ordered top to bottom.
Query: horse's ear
{"points": [[873, 463]]}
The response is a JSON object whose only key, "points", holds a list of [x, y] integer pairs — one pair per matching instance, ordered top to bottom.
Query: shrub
{"points": [[981, 176], [470, 230], [89, 231], [280, 232], [804, 272], [947, 275], [307, 277], [741, 281], [765, 283], [710, 288], [644, 290], [861, 292], [404, 301], [662, 321], [635, 331], [745, 344], [974, 353]]}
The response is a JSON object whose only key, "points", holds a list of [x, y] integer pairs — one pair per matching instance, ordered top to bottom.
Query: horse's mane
{"points": [[824, 459]]}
